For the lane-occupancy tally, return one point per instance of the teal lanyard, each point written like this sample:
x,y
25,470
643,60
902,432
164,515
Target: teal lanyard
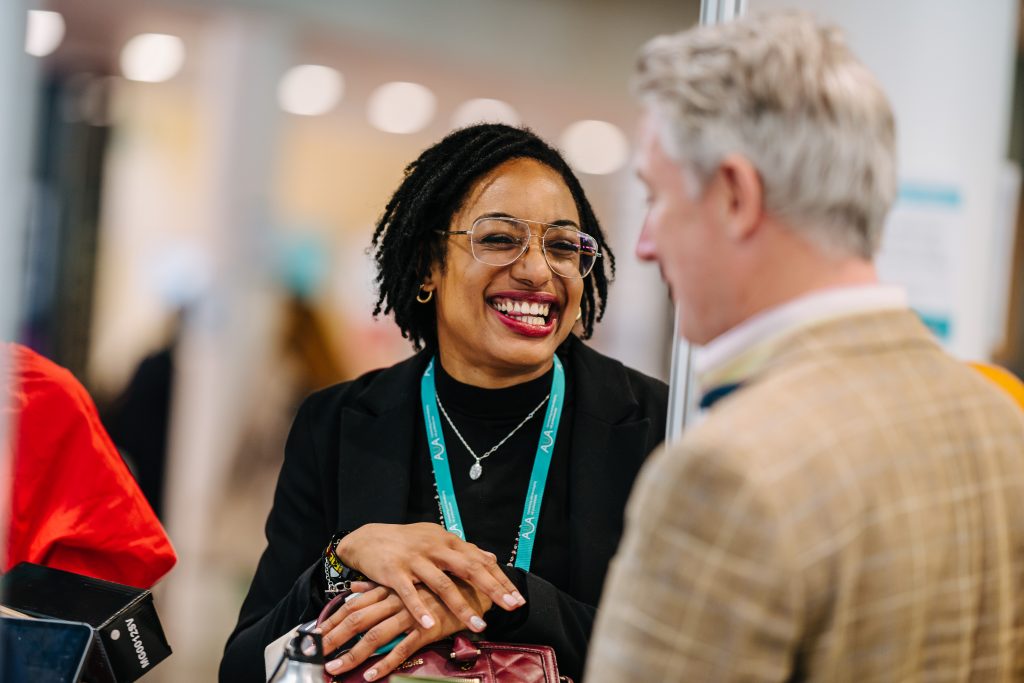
x,y
538,478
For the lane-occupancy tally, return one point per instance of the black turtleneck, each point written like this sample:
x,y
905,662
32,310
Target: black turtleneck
x,y
492,506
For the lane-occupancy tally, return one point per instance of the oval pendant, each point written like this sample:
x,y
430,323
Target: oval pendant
x,y
475,471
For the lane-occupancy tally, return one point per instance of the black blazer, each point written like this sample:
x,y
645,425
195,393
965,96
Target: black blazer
x,y
347,463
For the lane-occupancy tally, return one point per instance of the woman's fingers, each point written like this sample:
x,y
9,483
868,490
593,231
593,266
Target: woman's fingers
x,y
491,563
448,592
396,657
378,636
484,574
404,555
363,586
357,616
363,599
405,589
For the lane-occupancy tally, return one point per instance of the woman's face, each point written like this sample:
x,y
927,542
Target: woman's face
x,y
482,339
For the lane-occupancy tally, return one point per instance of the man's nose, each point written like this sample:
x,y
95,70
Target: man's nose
x,y
645,249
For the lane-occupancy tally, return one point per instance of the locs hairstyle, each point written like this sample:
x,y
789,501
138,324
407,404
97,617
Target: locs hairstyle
x,y
432,191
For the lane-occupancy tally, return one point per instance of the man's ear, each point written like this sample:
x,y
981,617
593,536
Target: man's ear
x,y
742,196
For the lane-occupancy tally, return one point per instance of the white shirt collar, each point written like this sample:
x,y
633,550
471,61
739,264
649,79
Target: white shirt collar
x,y
786,318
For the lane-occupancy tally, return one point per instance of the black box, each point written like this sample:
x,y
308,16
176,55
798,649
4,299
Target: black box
x,y
129,640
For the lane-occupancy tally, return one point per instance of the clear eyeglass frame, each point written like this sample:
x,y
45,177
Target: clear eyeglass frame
x,y
508,256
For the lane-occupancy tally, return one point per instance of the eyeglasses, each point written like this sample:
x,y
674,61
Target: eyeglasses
x,y
501,241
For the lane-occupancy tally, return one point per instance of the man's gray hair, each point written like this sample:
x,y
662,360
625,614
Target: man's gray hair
x,y
787,94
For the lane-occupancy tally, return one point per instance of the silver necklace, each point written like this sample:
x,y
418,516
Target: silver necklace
x,y
477,470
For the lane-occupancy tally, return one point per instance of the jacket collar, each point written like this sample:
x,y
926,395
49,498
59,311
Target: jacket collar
x,y
609,396
376,435
850,335
610,440
393,387
853,335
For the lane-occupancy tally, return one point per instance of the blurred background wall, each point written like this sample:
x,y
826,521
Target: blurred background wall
x,y
205,176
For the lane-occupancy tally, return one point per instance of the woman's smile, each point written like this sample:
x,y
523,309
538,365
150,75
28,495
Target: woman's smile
x,y
532,314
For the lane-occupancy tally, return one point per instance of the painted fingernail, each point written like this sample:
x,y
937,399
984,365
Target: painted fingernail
x,y
318,631
477,623
427,621
519,596
371,674
333,666
510,600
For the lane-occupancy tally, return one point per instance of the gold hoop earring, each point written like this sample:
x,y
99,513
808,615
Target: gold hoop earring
x,y
579,313
424,299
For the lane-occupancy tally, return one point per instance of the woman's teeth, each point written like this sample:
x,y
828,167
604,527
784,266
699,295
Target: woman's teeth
x,y
531,313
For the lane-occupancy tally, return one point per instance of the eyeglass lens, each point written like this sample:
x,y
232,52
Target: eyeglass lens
x,y
500,241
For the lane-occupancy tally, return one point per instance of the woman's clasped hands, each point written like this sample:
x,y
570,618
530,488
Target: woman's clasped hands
x,y
427,584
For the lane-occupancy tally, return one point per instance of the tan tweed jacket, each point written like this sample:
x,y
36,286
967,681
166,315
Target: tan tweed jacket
x,y
853,513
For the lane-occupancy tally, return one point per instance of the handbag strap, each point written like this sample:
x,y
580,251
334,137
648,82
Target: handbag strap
x,y
332,606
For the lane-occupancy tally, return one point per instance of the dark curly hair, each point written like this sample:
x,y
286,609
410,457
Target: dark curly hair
x,y
405,244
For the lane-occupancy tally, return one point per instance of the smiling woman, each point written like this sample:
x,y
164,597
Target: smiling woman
x,y
492,283
428,478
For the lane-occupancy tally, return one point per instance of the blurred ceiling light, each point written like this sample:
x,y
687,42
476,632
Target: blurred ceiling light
x,y
595,147
152,57
484,110
44,33
401,107
310,90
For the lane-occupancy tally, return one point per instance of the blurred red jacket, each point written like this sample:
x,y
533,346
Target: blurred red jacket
x,y
74,505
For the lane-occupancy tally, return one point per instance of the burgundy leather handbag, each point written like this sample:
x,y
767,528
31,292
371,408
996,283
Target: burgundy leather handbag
x,y
462,658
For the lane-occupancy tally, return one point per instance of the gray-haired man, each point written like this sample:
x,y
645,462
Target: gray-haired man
x,y
852,506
